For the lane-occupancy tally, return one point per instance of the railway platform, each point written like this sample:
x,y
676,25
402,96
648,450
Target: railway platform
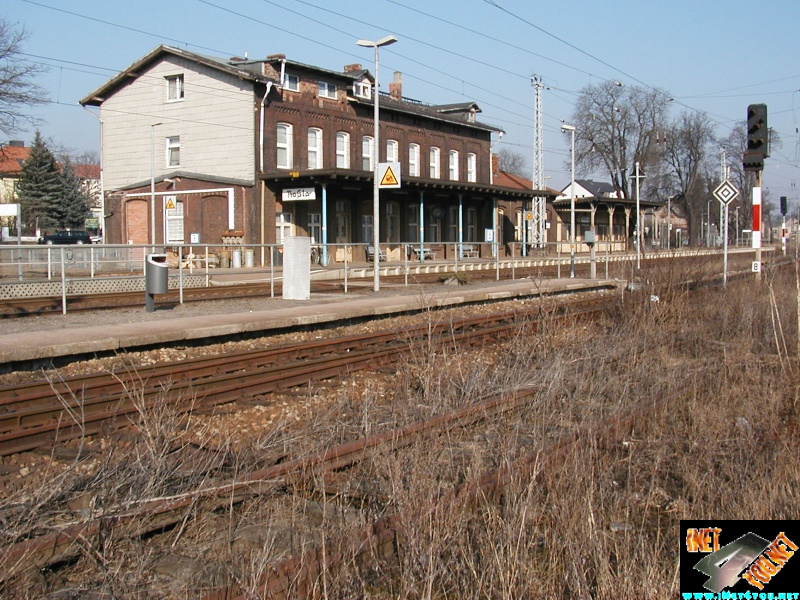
x,y
61,336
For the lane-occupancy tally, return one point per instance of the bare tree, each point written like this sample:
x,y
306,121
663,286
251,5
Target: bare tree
x,y
513,162
17,87
616,127
691,173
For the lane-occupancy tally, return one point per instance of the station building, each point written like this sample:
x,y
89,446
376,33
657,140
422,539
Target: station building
x,y
197,149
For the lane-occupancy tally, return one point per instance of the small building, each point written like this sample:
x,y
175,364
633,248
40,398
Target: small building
x,y
215,150
600,208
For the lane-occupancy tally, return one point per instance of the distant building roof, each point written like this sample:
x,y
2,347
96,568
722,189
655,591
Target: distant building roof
x,y
11,159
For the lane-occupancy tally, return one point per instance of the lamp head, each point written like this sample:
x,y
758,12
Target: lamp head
x,y
384,41
566,127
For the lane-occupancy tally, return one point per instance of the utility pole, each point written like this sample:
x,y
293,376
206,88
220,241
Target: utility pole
x,y
637,177
539,204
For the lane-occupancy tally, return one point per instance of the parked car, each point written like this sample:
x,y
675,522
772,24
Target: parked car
x,y
66,237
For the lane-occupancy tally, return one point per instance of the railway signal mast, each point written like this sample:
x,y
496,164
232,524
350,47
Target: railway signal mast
x,y
755,153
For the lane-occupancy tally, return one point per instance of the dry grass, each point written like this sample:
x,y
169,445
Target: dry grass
x,y
721,368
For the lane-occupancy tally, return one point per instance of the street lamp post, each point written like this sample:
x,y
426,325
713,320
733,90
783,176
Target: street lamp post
x,y
571,130
385,41
153,185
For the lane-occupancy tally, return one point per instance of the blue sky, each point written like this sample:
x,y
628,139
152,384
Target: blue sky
x,y
713,56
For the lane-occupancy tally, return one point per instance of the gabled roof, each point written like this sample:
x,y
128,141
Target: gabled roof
x,y
11,159
598,189
509,180
249,70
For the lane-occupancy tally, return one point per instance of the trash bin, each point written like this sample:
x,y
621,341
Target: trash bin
x,y
224,258
236,261
156,278
249,258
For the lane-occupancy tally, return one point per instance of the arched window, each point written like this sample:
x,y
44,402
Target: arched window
x,y
342,150
314,148
285,146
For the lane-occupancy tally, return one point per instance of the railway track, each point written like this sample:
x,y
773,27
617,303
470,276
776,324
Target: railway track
x,y
36,414
39,413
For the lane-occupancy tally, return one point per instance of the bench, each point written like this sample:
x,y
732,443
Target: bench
x,y
469,251
371,254
423,254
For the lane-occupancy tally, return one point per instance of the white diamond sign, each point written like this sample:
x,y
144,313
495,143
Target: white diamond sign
x,y
726,192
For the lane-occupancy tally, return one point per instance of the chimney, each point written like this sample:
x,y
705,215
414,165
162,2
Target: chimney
x,y
495,163
352,68
396,86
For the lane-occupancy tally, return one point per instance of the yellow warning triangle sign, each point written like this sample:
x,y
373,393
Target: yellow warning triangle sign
x,y
170,203
389,177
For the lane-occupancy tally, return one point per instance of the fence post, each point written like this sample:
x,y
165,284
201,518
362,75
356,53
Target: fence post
x,y
63,284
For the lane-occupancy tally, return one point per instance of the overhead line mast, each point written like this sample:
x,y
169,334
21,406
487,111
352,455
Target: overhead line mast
x,y
538,231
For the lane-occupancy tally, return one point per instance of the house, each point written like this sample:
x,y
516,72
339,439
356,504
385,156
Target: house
x,y
252,151
599,207
12,155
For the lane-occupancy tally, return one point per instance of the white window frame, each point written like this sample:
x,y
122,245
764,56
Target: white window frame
x,y
368,153
327,90
285,146
315,148
342,150
472,168
315,227
454,171
392,151
176,90
173,151
291,82
363,89
435,163
413,160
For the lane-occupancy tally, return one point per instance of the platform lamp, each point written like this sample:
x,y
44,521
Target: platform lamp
x,y
385,41
571,129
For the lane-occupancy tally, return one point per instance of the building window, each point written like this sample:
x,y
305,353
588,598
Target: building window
x,y
327,90
291,82
342,150
283,226
314,148
435,163
284,144
392,222
363,90
366,228
413,223
174,88
471,233
413,160
173,220
315,227
367,148
173,151
472,167
392,149
453,165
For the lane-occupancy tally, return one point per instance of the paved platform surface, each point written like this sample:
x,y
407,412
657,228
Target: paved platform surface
x,y
60,336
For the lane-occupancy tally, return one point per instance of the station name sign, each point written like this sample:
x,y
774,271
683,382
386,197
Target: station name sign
x,y
296,194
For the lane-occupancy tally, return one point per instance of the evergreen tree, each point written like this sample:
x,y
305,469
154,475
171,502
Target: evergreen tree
x,y
39,187
50,197
72,206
